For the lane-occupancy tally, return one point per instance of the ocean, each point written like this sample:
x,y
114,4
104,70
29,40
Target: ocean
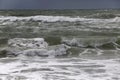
x,y
60,44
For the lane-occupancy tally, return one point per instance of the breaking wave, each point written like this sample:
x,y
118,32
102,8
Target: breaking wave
x,y
68,46
44,18
89,42
8,20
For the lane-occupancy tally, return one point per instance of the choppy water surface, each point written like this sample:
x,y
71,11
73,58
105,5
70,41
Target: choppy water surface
x,y
59,69
76,45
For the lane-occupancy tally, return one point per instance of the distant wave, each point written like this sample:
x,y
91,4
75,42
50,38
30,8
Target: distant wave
x,y
104,15
45,18
41,18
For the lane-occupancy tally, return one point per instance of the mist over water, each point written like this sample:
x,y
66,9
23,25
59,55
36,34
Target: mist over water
x,y
60,45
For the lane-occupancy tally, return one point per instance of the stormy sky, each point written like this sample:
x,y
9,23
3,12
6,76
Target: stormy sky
x,y
59,4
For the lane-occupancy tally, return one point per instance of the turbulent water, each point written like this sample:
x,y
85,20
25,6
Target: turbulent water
x,y
60,45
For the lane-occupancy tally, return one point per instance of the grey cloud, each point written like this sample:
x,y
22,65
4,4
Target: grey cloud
x,y
8,3
58,4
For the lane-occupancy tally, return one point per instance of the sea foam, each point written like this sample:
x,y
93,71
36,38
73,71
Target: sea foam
x,y
33,47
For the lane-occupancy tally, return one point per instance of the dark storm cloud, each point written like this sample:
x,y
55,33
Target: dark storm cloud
x,y
58,4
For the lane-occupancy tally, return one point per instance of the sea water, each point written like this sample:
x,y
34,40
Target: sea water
x,y
60,44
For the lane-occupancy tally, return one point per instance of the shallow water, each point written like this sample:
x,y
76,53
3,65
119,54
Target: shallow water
x,y
59,69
